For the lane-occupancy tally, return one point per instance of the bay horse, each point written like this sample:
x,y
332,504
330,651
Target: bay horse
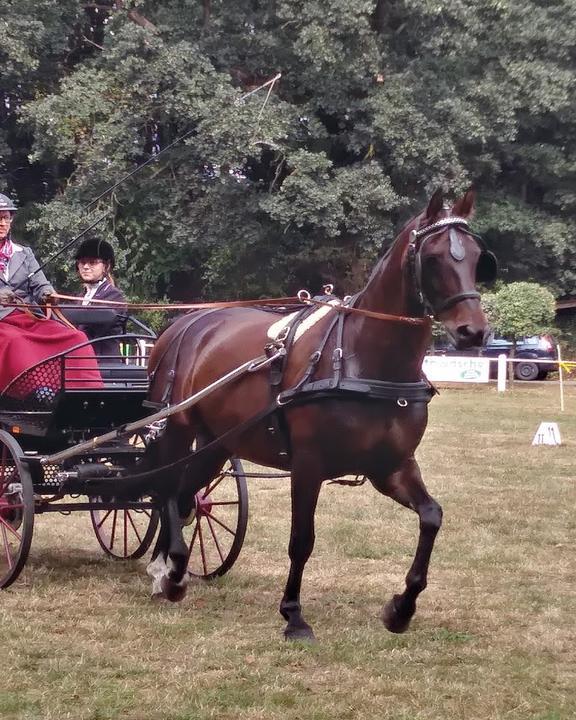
x,y
365,410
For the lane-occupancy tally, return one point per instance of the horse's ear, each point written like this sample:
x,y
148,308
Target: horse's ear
x,y
464,206
435,205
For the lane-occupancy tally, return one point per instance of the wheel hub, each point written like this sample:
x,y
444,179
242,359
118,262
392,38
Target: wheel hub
x,y
203,504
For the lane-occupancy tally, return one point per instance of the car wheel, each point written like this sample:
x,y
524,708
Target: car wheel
x,y
526,371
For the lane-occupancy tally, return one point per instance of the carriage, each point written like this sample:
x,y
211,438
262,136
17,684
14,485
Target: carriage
x,y
343,394
45,415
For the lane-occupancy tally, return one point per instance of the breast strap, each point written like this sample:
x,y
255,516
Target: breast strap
x,y
339,386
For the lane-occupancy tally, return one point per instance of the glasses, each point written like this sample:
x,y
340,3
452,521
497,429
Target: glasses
x,y
89,261
5,219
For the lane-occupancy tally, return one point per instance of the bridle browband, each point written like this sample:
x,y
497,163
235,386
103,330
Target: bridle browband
x,y
418,239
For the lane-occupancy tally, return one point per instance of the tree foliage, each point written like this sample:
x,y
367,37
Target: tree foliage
x,y
521,309
378,103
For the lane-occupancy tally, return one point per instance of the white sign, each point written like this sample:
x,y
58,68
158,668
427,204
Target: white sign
x,y
548,433
449,368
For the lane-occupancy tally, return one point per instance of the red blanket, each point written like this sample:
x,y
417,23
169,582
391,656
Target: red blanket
x,y
26,341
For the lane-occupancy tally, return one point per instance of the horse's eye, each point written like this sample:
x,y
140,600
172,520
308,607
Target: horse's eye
x,y
431,263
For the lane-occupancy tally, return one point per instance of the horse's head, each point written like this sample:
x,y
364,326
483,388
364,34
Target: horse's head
x,y
446,260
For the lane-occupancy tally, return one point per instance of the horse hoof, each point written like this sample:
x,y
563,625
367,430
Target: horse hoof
x,y
392,620
171,591
302,632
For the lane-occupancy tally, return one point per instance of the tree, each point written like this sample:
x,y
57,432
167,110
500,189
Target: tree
x,y
378,103
520,309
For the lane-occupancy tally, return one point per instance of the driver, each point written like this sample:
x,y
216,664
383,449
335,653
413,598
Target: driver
x,y
26,336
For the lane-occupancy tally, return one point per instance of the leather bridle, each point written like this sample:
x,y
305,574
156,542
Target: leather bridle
x,y
418,239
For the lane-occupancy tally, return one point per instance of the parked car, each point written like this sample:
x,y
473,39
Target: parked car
x,y
528,349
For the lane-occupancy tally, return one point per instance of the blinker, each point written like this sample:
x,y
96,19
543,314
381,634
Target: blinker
x,y
487,267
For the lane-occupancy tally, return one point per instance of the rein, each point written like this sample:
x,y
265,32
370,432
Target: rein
x,y
302,298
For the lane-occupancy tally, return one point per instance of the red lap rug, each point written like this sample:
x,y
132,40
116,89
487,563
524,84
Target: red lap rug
x,y
26,341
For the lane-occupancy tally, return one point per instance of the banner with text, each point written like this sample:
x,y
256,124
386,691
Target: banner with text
x,y
444,368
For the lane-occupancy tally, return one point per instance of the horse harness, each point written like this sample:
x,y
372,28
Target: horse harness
x,y
339,386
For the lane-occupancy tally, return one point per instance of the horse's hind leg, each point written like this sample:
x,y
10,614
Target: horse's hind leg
x,y
305,491
406,487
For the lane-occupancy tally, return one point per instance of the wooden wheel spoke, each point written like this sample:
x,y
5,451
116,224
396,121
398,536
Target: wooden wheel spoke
x,y
212,486
107,514
226,502
129,514
6,525
215,538
202,548
113,533
213,517
7,547
193,540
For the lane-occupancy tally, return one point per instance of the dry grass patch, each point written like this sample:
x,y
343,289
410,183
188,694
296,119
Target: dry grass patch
x,y
494,636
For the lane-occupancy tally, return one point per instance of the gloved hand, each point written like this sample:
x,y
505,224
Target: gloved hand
x,y
48,299
7,297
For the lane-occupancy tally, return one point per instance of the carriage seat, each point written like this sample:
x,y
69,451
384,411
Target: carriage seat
x,y
115,374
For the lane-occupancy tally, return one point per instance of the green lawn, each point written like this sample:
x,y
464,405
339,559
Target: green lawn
x,y
494,636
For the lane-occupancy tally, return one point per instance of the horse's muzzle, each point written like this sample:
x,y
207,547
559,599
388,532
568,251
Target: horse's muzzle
x,y
469,336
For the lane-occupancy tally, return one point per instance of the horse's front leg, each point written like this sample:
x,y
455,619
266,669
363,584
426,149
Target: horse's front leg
x,y
175,581
168,567
406,487
305,491
157,567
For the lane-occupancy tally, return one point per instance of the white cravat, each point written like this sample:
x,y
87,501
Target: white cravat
x,y
91,291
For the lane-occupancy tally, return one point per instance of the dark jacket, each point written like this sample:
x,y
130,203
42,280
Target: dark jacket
x,y
107,291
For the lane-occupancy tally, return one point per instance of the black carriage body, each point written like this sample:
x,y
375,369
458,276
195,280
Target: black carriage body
x,y
49,408
47,412
41,416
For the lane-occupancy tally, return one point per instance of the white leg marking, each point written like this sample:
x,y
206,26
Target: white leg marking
x,y
157,569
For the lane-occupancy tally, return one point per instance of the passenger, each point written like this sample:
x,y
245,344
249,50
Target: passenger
x,y
94,263
26,336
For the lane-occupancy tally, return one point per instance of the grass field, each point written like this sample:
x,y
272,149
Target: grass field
x,y
494,636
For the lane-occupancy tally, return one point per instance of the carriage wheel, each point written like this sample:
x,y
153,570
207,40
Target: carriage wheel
x,y
216,528
125,534
16,510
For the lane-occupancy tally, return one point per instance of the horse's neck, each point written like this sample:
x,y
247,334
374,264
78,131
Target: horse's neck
x,y
389,349
389,289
